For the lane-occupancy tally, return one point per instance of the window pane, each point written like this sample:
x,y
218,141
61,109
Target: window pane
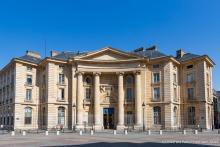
x,y
29,79
61,115
156,77
157,93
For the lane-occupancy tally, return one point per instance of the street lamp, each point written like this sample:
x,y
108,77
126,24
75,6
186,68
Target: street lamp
x,y
143,106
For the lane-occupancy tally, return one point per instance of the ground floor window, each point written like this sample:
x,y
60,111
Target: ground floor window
x,y
28,115
175,122
61,115
157,115
130,117
191,116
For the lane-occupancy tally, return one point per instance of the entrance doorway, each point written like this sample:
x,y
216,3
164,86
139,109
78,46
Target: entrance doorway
x,y
108,118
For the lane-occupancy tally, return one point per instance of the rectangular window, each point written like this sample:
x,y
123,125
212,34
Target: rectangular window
x,y
88,93
130,119
28,94
208,92
61,78
190,93
29,68
29,79
156,66
189,78
191,116
157,93
174,78
129,94
207,77
156,77
61,94
175,94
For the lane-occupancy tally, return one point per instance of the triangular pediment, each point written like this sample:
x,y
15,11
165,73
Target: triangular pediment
x,y
108,54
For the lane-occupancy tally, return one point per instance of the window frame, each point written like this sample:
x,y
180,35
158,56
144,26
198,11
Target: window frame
x,y
28,120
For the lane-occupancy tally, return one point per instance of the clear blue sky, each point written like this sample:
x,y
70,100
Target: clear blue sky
x,y
86,25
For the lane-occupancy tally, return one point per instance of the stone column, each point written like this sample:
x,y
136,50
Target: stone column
x,y
138,106
97,108
79,101
120,125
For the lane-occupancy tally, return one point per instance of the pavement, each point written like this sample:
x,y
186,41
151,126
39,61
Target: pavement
x,y
108,139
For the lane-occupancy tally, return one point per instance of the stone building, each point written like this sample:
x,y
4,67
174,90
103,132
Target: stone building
x,y
216,107
107,89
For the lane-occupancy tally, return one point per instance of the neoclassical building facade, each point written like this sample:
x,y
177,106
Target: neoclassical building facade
x,y
107,89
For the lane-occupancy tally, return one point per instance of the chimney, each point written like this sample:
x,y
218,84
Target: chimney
x,y
54,53
153,48
179,53
141,49
33,54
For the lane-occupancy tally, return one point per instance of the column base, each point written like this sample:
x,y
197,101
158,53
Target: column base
x,y
120,127
138,127
97,128
79,127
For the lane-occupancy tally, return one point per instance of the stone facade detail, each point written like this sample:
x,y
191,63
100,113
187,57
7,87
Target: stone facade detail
x,y
107,89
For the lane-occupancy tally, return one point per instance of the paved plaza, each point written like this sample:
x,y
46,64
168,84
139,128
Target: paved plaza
x,y
108,139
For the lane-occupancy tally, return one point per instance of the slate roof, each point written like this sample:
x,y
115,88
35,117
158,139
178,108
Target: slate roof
x,y
30,59
66,55
187,56
150,53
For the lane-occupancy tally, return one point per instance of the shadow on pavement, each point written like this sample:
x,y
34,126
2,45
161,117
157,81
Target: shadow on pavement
x,y
149,144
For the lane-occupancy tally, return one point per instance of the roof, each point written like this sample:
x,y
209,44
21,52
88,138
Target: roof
x,y
30,59
66,55
152,54
187,56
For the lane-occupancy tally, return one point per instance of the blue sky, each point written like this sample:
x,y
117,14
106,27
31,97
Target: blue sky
x,y
85,25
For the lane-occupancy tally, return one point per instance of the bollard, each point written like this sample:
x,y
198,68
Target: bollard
x,y
80,132
46,133
126,132
92,132
184,132
218,131
149,132
161,132
114,132
196,132
58,132
13,133
24,133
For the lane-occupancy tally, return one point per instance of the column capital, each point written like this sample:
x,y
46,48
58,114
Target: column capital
x,y
120,73
96,73
79,73
137,72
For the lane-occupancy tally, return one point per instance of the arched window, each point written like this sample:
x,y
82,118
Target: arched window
x,y
191,116
61,115
28,115
129,80
157,115
175,116
88,80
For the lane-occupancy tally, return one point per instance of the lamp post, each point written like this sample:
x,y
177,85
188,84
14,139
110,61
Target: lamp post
x,y
143,106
